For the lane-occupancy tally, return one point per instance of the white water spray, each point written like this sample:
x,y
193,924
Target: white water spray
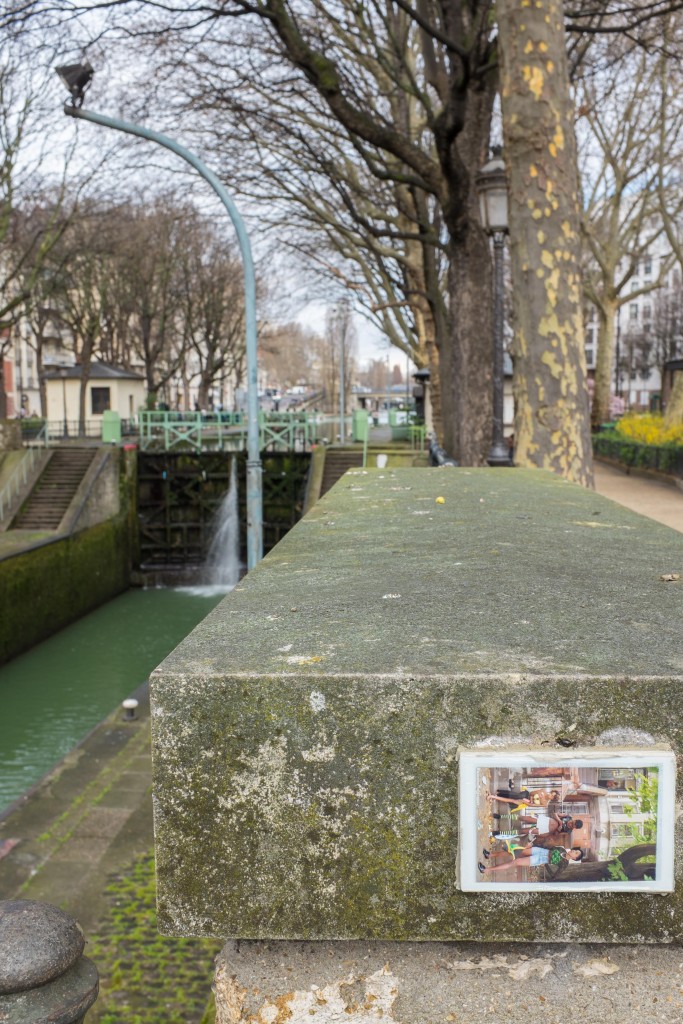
x,y
222,567
221,570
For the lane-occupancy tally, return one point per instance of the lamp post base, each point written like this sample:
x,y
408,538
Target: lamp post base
x,y
499,455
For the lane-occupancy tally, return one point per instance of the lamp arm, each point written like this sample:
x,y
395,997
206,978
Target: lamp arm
x,y
254,483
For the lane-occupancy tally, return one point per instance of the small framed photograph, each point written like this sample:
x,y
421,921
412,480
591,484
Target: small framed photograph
x,y
596,819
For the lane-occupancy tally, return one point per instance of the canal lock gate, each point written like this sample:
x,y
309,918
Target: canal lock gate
x,y
178,497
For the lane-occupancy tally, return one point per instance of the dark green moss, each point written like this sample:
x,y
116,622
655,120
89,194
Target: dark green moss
x,y
55,583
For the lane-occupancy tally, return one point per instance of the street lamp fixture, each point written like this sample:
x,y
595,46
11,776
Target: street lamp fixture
x,y
77,77
491,185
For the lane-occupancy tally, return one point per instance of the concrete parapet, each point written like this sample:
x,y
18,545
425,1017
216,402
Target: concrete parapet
x,y
306,764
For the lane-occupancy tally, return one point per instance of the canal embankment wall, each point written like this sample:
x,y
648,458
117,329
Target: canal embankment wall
x,y
50,581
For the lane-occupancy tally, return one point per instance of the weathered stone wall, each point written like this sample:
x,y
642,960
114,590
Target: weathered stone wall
x,y
446,983
99,495
53,582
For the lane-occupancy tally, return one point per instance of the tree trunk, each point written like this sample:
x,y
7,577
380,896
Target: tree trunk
x,y
3,393
552,429
86,360
466,354
465,358
603,364
673,415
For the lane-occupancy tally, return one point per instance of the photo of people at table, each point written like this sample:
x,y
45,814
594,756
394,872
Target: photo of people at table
x,y
566,823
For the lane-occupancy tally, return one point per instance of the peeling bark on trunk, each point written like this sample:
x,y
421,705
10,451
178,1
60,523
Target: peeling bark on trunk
x,y
552,429
600,412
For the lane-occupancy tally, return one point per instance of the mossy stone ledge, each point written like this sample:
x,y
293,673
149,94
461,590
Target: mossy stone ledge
x,y
305,735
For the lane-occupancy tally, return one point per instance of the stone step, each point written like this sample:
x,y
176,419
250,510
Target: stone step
x,y
54,491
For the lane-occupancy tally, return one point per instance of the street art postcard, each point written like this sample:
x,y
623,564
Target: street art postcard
x,y
595,819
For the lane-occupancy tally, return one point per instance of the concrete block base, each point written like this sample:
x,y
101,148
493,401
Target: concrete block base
x,y
464,983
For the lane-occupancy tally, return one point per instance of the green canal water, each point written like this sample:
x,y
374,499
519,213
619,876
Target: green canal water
x,y
55,693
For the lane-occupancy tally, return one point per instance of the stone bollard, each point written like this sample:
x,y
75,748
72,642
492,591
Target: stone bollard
x,y
43,974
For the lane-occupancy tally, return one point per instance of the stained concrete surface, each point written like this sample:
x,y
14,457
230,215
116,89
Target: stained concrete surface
x,y
465,983
306,733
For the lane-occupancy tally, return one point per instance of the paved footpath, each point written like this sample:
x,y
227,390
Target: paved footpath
x,y
654,498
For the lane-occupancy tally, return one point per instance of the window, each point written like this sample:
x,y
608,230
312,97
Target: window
x,y
623,830
633,311
647,265
647,312
99,400
590,356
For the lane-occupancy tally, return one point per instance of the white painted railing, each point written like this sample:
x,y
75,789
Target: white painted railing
x,y
21,471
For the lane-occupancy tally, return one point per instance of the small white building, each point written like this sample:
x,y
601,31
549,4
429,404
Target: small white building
x,y
108,387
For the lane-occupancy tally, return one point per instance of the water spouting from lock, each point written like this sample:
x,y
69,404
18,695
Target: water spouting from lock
x,y
221,570
222,566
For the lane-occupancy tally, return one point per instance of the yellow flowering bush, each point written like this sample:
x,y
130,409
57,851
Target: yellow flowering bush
x,y
648,428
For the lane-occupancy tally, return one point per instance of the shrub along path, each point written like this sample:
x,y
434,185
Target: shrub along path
x,y
85,844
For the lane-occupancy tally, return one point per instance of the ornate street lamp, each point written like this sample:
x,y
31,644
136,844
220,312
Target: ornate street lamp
x,y
77,77
491,184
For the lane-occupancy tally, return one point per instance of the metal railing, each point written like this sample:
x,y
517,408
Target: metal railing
x,y
417,433
196,431
438,456
226,431
71,429
20,474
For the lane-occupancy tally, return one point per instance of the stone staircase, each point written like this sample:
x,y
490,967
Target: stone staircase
x,y
54,490
337,461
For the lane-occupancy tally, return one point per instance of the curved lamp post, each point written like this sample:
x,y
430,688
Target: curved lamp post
x,y
491,184
77,77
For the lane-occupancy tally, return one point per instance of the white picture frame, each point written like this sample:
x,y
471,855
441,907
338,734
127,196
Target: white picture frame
x,y
605,781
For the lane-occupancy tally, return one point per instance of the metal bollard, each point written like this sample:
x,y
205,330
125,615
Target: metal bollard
x,y
130,706
43,974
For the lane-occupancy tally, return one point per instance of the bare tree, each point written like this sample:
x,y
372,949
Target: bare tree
x,y
328,50
212,307
287,353
622,221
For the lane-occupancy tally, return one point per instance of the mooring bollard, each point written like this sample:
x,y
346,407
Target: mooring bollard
x,y
43,973
130,707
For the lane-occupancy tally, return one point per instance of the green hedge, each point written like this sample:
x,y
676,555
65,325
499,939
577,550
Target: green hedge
x,y
666,458
52,584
